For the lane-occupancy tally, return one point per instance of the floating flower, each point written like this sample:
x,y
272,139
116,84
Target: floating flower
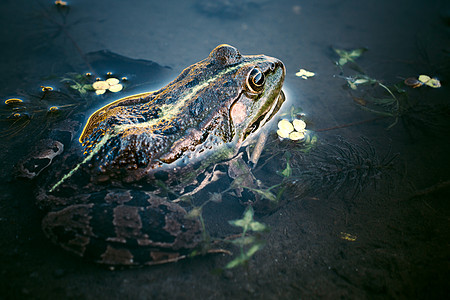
x,y
304,74
294,131
111,84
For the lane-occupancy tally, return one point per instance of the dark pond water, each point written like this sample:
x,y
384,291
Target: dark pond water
x,y
363,208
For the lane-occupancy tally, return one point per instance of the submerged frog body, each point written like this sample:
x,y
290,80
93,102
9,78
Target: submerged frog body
x,y
106,206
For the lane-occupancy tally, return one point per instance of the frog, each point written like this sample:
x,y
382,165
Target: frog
x,y
107,198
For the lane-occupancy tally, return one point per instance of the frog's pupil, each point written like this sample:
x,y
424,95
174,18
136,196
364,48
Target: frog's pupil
x,y
258,79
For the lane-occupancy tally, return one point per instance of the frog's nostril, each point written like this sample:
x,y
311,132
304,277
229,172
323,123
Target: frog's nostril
x,y
272,66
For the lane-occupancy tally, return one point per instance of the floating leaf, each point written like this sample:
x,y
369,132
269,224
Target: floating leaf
x,y
348,56
348,237
304,74
434,83
424,78
413,82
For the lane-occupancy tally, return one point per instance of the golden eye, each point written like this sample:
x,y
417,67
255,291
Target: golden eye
x,y
256,80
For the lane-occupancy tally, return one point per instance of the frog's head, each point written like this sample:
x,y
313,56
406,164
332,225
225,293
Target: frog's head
x,y
244,90
260,79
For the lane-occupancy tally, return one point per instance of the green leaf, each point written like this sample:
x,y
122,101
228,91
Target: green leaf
x,y
352,85
241,259
287,172
194,213
348,56
342,61
253,249
257,226
244,257
244,240
246,219
266,194
357,52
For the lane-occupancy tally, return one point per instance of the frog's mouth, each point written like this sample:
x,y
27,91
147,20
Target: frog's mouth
x,y
266,116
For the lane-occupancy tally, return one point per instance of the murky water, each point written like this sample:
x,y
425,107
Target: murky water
x,y
365,210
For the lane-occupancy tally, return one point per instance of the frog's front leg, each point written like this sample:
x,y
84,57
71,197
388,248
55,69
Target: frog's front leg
x,y
127,228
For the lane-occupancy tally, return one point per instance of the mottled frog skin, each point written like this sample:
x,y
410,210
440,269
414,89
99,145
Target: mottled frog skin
x,y
103,200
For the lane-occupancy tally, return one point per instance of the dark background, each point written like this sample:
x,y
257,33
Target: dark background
x,y
402,226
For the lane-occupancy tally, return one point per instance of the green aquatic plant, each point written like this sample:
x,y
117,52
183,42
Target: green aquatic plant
x,y
398,101
248,245
78,82
349,56
327,168
342,167
249,241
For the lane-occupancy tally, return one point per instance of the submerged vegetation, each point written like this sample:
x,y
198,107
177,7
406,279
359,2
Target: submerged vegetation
x,y
401,101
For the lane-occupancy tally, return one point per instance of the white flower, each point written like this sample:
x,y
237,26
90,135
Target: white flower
x,y
111,84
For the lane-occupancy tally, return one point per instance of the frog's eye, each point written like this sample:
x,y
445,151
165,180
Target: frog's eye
x,y
256,80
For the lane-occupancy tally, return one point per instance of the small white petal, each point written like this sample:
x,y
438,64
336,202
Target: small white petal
x,y
299,125
116,88
282,134
100,85
112,81
285,125
295,135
